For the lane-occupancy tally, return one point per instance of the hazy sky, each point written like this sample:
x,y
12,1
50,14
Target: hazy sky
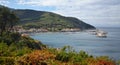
x,y
95,12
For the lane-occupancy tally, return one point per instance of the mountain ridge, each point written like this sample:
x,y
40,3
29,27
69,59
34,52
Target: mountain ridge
x,y
42,19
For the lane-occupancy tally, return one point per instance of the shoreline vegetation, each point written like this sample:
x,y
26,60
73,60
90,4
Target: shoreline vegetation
x,y
17,49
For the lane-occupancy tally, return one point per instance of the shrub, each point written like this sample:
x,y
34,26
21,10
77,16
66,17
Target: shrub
x,y
37,57
63,54
3,49
102,60
29,42
10,37
23,51
7,61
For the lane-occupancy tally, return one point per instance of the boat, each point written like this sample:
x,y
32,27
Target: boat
x,y
101,34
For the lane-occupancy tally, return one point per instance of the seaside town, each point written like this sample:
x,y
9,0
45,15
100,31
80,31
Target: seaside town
x,y
26,32
20,29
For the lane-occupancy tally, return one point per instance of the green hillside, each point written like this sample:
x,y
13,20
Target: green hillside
x,y
48,20
42,19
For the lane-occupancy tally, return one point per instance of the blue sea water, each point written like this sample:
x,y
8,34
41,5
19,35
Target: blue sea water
x,y
93,45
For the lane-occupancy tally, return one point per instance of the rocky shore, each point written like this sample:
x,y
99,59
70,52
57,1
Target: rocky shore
x,y
20,29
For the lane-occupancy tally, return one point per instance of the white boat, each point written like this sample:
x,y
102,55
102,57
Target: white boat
x,y
102,34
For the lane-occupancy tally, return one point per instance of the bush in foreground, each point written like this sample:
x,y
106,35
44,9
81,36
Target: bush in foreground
x,y
62,57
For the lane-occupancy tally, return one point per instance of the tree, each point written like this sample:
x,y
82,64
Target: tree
x,y
13,20
7,20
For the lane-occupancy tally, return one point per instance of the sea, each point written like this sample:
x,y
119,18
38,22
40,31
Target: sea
x,y
93,45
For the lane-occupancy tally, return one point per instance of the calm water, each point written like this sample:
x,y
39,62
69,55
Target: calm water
x,y
109,46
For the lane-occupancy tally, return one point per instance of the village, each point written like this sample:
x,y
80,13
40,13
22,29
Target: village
x,y
20,29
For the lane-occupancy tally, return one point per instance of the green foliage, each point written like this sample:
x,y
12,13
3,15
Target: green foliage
x,y
7,20
67,54
29,42
63,57
9,37
13,44
3,49
12,50
23,51
7,61
20,42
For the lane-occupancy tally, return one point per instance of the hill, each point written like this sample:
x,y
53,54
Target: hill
x,y
48,20
42,19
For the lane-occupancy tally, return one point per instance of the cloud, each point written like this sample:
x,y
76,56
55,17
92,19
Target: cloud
x,y
40,2
4,2
56,2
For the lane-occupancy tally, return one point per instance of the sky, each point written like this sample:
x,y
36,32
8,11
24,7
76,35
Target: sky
x,y
99,13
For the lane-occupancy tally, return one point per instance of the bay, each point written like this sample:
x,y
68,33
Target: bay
x,y
93,45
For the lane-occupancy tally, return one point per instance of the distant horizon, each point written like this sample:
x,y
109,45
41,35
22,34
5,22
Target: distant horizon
x,y
99,13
